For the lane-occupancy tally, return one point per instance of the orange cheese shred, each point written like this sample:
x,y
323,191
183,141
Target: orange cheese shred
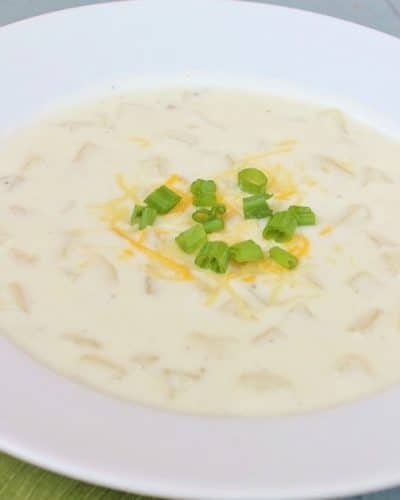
x,y
180,269
270,266
284,195
183,204
298,246
230,206
250,278
172,180
129,191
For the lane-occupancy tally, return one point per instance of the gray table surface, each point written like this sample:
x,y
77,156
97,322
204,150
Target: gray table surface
x,y
383,15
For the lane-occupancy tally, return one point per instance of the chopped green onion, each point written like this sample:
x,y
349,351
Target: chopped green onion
x,y
213,225
203,215
200,186
136,213
204,200
147,218
210,218
252,180
144,216
191,239
256,206
246,251
163,199
214,255
304,215
280,227
219,209
204,193
283,258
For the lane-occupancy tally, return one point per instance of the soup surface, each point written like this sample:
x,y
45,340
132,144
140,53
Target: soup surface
x,y
127,312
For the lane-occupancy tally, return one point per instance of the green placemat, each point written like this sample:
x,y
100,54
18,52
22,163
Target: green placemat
x,y
20,481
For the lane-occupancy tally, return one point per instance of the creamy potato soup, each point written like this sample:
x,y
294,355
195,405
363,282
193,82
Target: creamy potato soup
x,y
128,312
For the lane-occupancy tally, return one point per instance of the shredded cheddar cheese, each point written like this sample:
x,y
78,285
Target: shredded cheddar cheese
x,y
249,278
241,305
129,191
232,209
160,231
270,266
142,236
284,195
183,204
299,246
280,180
117,209
114,210
178,268
172,180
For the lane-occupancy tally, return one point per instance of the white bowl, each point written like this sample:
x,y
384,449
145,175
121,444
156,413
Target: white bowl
x,y
55,423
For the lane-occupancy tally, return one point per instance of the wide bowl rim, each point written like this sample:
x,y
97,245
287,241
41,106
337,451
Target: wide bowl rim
x,y
160,481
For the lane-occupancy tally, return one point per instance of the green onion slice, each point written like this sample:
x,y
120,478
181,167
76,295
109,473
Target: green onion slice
x,y
136,213
191,239
213,225
203,215
144,216
246,251
204,193
214,255
283,258
252,180
280,227
162,199
147,218
219,209
304,215
256,206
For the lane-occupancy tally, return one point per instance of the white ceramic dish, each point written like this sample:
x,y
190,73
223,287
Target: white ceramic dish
x,y
54,423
